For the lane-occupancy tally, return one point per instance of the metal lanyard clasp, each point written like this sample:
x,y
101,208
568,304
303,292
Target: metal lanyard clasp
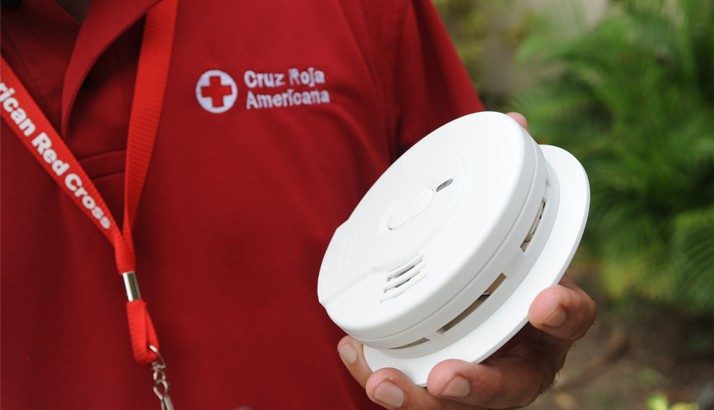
x,y
161,383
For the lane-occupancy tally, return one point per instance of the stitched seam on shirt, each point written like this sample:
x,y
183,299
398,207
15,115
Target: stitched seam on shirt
x,y
92,156
111,174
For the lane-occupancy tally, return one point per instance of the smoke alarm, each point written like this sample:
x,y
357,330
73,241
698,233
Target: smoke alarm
x,y
443,256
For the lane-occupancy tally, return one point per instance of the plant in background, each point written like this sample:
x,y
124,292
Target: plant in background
x,y
659,401
485,34
633,99
466,21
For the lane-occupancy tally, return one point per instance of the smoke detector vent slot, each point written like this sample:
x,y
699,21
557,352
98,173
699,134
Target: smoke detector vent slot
x,y
534,227
474,306
397,279
412,344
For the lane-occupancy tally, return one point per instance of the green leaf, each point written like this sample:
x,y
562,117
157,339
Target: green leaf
x,y
633,99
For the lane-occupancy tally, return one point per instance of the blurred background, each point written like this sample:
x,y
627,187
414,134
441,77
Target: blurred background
x,y
627,86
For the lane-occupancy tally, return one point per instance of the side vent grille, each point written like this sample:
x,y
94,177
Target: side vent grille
x,y
412,344
402,277
534,227
472,308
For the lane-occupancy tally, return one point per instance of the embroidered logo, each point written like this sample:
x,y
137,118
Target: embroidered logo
x,y
288,88
216,91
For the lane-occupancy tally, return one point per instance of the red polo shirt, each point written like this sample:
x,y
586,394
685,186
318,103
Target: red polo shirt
x,y
247,183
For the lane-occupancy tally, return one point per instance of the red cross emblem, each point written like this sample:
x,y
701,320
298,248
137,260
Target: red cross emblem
x,y
216,91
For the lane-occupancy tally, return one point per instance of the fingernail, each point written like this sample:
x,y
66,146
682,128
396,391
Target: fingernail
x,y
556,318
389,394
457,388
347,353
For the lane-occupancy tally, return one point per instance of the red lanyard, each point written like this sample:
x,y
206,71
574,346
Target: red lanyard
x,y
24,117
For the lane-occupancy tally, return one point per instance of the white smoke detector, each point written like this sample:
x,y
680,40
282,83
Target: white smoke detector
x,y
443,256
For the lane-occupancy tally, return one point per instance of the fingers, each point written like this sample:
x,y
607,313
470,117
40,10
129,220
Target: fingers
x,y
392,389
564,311
519,118
352,356
527,368
389,388
504,382
516,376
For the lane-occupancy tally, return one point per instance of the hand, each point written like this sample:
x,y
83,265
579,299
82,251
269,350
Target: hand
x,y
513,376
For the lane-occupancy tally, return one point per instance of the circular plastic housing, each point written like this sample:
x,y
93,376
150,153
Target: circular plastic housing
x,y
443,256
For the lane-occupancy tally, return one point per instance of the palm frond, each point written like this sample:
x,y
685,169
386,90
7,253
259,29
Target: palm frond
x,y
632,98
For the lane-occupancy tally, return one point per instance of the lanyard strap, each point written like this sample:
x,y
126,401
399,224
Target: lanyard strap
x,y
26,119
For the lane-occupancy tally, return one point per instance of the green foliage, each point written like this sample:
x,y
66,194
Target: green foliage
x,y
633,99
659,401
466,22
485,34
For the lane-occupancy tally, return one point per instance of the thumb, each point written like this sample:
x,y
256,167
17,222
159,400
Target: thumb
x,y
351,353
564,311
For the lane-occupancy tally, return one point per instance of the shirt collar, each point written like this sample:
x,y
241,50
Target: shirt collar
x,y
105,21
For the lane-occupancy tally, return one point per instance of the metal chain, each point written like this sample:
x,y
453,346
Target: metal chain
x,y
161,383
